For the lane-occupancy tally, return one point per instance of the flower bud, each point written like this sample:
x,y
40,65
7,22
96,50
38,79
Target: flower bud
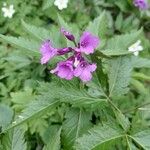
x,y
67,34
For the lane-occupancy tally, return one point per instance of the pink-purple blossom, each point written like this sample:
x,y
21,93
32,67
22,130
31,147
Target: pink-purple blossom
x,y
88,43
64,70
84,71
76,65
141,4
47,51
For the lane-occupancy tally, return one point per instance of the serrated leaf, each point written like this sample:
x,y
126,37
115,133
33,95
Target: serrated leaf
x,y
119,75
38,125
142,139
14,140
122,119
22,97
64,24
77,122
38,32
6,115
119,21
130,144
47,4
36,108
98,136
99,25
54,138
138,62
120,43
79,97
68,92
30,45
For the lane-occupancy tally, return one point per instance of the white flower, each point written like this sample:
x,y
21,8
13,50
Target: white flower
x,y
135,48
61,4
8,11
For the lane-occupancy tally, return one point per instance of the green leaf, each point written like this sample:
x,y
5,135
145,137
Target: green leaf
x,y
122,119
119,21
130,145
21,98
98,136
6,115
120,43
115,53
141,76
142,139
138,62
77,122
64,24
79,97
14,140
139,87
94,88
38,125
30,45
119,75
35,109
47,4
53,138
38,32
99,25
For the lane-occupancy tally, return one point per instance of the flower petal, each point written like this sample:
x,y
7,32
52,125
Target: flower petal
x,y
47,52
88,43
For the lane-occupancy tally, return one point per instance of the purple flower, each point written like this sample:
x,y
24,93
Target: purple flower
x,y
84,70
76,65
67,34
88,43
142,4
64,70
47,51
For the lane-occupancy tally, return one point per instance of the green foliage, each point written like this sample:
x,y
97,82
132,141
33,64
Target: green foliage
x,y
119,44
77,122
35,109
142,138
98,136
39,33
53,139
119,75
41,111
14,140
99,25
6,115
30,45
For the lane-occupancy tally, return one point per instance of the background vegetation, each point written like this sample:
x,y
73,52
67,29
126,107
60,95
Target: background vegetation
x,y
39,111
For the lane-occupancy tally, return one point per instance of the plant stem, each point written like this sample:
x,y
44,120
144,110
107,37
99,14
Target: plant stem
x,y
75,43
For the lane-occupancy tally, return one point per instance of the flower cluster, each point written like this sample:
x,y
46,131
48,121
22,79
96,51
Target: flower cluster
x,y
8,11
142,4
76,65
